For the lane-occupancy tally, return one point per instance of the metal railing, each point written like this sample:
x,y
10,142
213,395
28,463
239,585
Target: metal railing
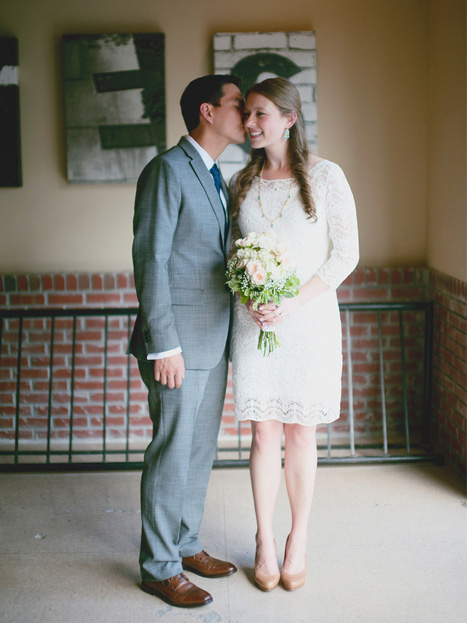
x,y
393,429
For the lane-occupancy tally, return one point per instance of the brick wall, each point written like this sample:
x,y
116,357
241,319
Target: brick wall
x,y
117,290
450,368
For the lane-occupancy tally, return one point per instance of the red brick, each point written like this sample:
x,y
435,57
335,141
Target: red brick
x,y
34,283
369,295
88,409
65,423
7,434
371,277
396,276
344,295
359,277
59,282
66,300
97,282
130,299
55,434
407,294
134,409
110,397
384,275
87,386
122,281
26,300
55,410
85,362
23,285
34,422
66,398
84,281
65,373
47,282
104,299
109,421
109,281
90,336
71,282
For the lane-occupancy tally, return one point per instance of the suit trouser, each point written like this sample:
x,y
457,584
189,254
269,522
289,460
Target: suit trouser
x,y
177,466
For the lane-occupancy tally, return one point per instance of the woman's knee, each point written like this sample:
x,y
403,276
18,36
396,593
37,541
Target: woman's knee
x,y
300,436
266,434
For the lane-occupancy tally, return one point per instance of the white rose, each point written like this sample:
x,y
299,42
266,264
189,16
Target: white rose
x,y
250,239
266,241
253,266
259,277
280,249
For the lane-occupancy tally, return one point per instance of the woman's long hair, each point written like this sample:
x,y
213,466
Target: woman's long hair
x,y
286,97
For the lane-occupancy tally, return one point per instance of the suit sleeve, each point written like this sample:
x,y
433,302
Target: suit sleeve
x,y
157,206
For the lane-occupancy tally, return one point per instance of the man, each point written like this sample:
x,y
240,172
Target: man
x,y
181,240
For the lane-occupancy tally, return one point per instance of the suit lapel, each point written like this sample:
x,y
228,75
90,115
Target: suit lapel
x,y
207,182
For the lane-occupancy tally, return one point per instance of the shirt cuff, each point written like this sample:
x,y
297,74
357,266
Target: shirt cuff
x,y
166,353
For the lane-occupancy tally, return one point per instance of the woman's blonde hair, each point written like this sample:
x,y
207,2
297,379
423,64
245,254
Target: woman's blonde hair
x,y
286,97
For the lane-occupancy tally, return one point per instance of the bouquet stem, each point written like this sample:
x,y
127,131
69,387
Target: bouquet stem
x,y
267,342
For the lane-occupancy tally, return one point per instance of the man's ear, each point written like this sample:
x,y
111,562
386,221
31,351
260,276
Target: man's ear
x,y
205,111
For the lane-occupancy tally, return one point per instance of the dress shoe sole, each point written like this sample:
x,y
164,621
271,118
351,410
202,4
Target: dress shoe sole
x,y
151,591
209,575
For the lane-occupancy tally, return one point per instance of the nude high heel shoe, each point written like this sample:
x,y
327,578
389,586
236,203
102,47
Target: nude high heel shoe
x,y
292,581
262,580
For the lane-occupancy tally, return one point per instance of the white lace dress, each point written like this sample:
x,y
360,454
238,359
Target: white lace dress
x,y
300,382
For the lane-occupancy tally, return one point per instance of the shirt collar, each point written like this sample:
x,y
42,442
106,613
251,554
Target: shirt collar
x,y
208,161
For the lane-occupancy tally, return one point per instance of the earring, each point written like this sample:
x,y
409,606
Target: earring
x,y
286,134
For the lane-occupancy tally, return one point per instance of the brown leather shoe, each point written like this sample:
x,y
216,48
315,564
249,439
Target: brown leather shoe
x,y
178,591
207,566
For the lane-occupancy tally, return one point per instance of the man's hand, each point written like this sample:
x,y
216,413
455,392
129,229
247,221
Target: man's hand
x,y
170,371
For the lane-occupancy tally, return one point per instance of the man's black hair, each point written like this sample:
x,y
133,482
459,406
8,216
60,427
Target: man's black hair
x,y
207,89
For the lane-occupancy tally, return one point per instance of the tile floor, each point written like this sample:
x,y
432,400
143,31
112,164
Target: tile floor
x,y
387,544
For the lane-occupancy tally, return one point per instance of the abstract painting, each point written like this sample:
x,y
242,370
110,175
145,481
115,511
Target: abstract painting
x,y
114,105
10,145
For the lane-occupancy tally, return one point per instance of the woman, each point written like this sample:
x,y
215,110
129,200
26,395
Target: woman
x,y
308,203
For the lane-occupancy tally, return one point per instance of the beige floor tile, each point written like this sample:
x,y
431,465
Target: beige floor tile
x,y
387,544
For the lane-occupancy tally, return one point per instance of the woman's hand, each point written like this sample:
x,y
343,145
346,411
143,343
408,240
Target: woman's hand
x,y
259,315
272,315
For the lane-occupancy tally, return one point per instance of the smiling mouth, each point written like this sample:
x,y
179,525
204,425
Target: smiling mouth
x,y
255,134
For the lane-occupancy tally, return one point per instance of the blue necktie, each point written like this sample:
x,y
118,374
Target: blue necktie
x,y
214,171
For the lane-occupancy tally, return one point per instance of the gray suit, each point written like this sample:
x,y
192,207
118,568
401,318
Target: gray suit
x,y
179,256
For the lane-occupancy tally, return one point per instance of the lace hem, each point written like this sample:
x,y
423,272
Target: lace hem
x,y
291,413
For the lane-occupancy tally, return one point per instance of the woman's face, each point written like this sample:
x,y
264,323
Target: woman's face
x,y
264,122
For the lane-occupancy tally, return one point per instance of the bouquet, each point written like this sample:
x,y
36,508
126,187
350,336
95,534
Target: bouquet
x,y
260,270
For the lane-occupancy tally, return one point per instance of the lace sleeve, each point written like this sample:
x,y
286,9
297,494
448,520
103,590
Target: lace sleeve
x,y
342,223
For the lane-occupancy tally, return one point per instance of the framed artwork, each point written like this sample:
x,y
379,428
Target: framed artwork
x,y
114,105
10,142
259,55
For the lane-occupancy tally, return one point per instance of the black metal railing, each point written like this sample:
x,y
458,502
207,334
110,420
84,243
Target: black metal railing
x,y
41,421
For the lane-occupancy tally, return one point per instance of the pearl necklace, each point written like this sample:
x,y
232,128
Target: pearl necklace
x,y
272,221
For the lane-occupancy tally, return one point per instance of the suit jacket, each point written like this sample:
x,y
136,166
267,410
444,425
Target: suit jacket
x,y
179,258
